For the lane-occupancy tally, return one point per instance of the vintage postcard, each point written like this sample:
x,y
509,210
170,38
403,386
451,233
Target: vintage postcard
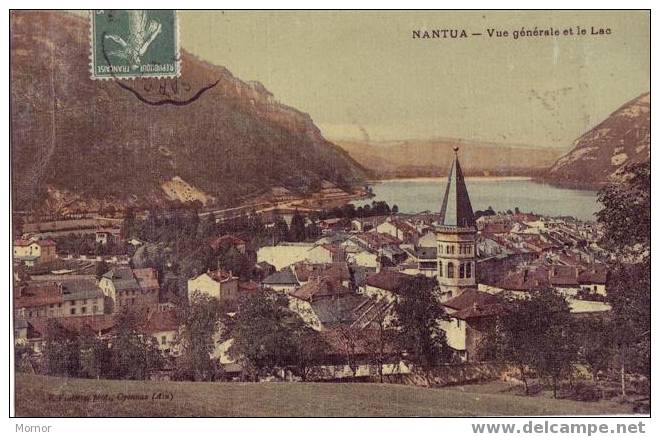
x,y
330,213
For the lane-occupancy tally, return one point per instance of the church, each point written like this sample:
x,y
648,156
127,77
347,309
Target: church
x,y
456,234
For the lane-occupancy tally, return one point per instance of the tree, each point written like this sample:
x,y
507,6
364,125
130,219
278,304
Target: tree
x,y
379,344
297,228
61,351
626,214
626,221
349,340
537,332
280,230
207,227
134,355
418,313
263,333
128,228
308,347
101,268
200,320
95,355
629,293
595,337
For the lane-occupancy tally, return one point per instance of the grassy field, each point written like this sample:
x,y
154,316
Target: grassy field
x,y
50,396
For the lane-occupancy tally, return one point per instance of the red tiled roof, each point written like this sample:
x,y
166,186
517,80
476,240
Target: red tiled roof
x,y
22,243
159,321
496,228
471,297
472,304
320,288
526,279
147,278
593,274
306,271
562,275
476,311
376,240
388,280
404,226
98,323
33,295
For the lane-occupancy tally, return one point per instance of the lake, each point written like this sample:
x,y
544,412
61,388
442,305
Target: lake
x,y
502,193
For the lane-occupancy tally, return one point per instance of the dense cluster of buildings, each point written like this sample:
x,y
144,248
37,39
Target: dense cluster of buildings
x,y
349,278
476,262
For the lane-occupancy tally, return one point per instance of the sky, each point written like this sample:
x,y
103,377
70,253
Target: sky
x,y
361,75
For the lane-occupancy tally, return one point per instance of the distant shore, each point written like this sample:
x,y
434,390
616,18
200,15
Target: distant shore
x,y
439,178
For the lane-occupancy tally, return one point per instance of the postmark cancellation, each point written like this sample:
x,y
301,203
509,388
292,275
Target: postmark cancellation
x,y
130,44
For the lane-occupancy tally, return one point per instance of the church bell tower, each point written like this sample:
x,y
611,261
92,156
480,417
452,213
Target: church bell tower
x,y
456,236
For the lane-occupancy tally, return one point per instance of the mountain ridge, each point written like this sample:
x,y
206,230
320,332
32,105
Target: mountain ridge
x,y
432,157
601,154
79,144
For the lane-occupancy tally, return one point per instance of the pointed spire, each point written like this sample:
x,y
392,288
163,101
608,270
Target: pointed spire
x,y
456,209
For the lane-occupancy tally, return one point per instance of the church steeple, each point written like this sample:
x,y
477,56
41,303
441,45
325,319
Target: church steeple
x,y
456,237
456,209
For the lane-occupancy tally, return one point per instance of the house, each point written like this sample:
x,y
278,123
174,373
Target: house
x,y
56,299
228,241
323,303
331,225
364,224
40,299
326,253
34,251
105,236
361,345
424,260
399,229
472,318
164,327
284,254
385,284
221,284
263,269
131,287
83,297
363,258
593,278
101,325
374,242
284,280
305,271
427,239
358,254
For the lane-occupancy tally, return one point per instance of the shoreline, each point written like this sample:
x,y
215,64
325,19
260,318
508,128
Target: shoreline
x,y
442,178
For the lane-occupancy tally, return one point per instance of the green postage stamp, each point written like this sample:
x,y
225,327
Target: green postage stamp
x,y
130,44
